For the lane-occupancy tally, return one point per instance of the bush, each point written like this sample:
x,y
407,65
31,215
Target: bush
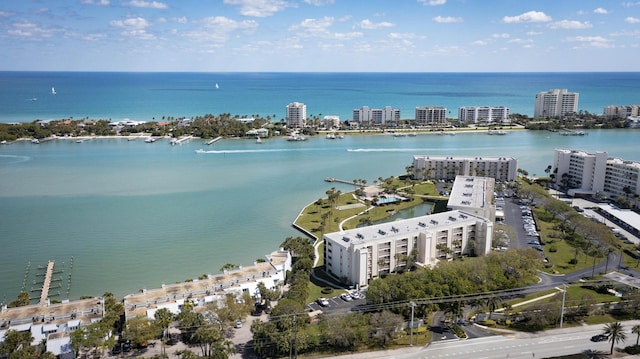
x,y
327,290
632,349
553,249
489,323
573,261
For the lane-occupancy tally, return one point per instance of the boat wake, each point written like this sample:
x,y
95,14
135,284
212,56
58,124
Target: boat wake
x,y
246,151
13,159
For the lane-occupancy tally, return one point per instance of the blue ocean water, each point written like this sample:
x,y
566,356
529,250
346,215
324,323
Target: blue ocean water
x,y
148,96
134,215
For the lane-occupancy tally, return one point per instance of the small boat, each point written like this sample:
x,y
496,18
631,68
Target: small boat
x,y
53,91
331,136
217,86
34,99
150,140
296,137
258,140
35,141
201,151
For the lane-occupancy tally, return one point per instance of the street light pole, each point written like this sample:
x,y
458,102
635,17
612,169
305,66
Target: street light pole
x,y
564,293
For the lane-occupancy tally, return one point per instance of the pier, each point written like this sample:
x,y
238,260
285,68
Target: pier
x,y
177,141
333,179
47,283
211,142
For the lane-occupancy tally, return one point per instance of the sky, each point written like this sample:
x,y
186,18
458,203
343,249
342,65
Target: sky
x,y
320,35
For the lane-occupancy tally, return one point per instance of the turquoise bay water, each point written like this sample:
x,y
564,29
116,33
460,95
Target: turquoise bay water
x,y
135,215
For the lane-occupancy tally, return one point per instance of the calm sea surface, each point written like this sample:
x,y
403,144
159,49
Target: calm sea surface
x,y
147,96
135,215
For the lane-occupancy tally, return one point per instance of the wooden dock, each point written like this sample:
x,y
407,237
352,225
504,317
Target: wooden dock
x,y
333,179
47,283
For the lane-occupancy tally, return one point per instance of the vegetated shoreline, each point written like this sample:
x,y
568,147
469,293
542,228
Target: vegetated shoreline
x,y
368,132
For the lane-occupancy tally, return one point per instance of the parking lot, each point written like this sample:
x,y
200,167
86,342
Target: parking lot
x,y
339,304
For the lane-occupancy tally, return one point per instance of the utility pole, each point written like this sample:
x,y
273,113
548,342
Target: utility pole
x,y
564,294
413,305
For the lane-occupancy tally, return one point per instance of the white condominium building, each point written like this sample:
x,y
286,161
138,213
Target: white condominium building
x,y
589,173
555,103
623,112
376,116
359,255
581,172
432,116
473,195
483,114
448,167
331,121
296,115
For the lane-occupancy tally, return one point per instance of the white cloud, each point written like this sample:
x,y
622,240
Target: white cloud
x,y
531,16
447,19
480,43
403,36
259,8
147,4
30,30
570,24
6,13
600,11
218,29
591,41
534,33
501,36
632,20
133,27
96,2
180,20
630,3
433,2
369,25
520,41
321,28
319,2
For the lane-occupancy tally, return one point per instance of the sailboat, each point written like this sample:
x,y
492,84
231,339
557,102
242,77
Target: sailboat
x,y
53,91
217,86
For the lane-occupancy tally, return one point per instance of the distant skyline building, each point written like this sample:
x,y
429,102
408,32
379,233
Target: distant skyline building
x,y
448,167
296,115
622,112
483,114
431,116
376,116
331,121
555,103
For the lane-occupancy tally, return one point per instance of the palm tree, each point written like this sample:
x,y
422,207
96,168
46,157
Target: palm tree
x,y
615,332
636,330
493,302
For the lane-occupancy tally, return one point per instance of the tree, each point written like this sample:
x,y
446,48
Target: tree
x,y
636,330
23,299
141,330
163,319
492,303
14,341
384,326
615,332
212,342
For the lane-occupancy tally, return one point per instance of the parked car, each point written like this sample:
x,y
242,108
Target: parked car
x,y
355,295
238,324
346,297
323,301
599,338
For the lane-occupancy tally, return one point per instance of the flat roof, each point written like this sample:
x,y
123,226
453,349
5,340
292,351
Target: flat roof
x,y
470,191
402,226
625,215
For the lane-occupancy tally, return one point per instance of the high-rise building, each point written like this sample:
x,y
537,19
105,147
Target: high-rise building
x,y
483,114
585,173
448,167
359,255
555,103
376,116
622,112
296,115
431,116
